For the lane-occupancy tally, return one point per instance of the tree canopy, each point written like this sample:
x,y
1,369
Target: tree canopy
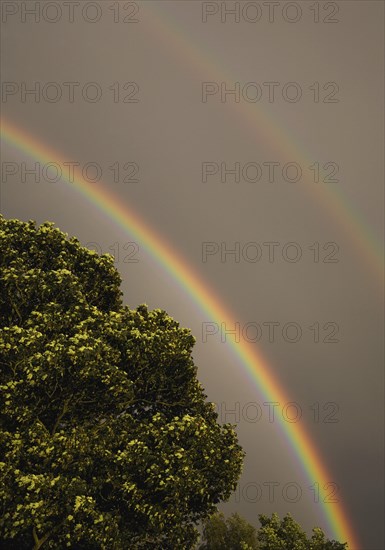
x,y
286,534
106,438
235,533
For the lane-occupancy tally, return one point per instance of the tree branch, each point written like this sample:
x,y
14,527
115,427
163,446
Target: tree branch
x,y
39,542
63,412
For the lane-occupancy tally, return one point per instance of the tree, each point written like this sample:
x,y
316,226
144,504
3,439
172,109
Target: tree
x,y
106,438
233,533
286,534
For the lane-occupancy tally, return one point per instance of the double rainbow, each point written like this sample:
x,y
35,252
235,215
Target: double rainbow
x,y
200,294
331,197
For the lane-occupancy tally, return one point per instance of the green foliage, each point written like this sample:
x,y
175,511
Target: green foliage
x,y
106,440
234,533
286,534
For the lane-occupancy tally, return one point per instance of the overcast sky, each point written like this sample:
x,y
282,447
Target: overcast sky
x,y
249,127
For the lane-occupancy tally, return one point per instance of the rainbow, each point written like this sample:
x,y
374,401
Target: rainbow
x,y
182,46
174,265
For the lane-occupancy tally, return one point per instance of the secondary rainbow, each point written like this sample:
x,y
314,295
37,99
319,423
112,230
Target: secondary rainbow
x,y
333,198
174,265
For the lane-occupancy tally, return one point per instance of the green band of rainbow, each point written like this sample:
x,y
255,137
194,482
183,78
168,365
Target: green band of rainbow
x,y
175,266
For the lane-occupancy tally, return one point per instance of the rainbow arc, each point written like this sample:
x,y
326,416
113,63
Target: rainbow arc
x,y
174,265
